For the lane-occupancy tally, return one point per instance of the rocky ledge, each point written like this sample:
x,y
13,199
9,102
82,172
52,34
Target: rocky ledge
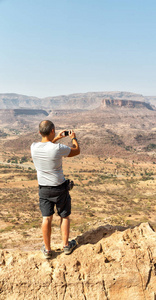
x,y
126,103
108,264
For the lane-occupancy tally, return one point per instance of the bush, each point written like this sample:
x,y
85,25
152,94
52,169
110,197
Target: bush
x,y
150,147
23,159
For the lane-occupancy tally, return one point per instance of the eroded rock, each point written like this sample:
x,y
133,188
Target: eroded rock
x,y
117,265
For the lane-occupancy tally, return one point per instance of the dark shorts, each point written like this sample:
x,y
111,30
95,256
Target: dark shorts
x,y
49,196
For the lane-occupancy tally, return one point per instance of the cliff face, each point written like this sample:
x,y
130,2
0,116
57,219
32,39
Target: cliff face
x,y
33,112
106,265
12,115
125,103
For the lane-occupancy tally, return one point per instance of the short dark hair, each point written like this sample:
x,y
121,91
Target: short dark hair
x,y
45,127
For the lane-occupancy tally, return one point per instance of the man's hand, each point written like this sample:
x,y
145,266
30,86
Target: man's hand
x,y
75,149
60,136
72,134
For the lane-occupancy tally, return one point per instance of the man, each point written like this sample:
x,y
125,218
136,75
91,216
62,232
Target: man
x,y
53,190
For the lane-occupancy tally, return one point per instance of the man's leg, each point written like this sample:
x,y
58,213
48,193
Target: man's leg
x,y
65,227
46,230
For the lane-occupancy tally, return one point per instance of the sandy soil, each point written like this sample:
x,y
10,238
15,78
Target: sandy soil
x,y
107,191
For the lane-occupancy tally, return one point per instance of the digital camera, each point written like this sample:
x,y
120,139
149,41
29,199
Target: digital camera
x,y
69,184
66,133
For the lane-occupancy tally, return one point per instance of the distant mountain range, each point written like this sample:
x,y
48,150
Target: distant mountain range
x,y
85,101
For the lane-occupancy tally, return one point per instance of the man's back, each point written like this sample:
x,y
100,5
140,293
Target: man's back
x,y
47,158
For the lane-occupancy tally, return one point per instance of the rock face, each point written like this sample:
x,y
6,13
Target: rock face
x,y
33,112
12,115
125,103
114,265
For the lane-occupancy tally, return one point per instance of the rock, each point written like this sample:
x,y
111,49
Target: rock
x,y
108,264
125,103
2,258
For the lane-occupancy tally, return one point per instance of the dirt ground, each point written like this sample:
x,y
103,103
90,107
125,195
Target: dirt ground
x,y
107,191
114,176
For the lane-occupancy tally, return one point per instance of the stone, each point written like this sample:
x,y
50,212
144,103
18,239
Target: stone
x,y
116,265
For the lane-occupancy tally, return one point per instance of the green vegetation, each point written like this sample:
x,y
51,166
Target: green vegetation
x,y
23,159
13,159
3,134
128,148
17,160
150,147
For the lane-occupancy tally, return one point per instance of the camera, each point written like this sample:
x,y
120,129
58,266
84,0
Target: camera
x,y
66,133
69,184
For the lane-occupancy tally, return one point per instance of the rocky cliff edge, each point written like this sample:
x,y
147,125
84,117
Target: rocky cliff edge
x,y
109,263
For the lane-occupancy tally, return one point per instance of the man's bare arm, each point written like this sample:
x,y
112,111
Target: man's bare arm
x,y
75,150
58,137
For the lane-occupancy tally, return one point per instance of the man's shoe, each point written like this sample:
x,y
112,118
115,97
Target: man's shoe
x,y
68,249
47,254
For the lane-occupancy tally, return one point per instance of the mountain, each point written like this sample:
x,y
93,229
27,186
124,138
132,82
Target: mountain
x,y
152,100
85,101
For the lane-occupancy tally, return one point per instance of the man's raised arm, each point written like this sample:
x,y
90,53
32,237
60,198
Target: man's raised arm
x,y
75,149
58,137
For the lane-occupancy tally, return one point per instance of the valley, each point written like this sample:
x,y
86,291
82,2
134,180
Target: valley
x,y
114,176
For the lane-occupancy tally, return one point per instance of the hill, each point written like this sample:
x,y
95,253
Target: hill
x,y
111,129
85,101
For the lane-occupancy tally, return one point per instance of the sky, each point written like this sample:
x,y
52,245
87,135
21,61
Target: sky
x,y
60,47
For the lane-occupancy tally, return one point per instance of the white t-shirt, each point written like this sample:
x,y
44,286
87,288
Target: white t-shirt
x,y
47,158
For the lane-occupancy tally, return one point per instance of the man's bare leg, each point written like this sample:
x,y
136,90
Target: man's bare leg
x,y
46,230
65,227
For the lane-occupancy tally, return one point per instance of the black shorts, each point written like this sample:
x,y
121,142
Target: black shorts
x,y
49,196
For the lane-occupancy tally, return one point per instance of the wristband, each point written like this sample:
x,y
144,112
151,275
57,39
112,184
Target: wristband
x,y
74,139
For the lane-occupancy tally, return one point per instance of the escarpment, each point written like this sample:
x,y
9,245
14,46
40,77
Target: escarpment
x,y
125,103
108,264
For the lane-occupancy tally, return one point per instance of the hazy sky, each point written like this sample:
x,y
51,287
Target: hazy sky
x,y
55,47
